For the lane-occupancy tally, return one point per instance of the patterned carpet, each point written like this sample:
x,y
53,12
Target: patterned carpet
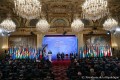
x,y
59,69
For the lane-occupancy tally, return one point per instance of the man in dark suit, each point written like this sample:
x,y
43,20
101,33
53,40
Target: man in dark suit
x,y
71,55
58,56
62,56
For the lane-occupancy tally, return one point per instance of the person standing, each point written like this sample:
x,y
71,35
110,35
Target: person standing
x,y
58,56
62,56
71,56
75,55
50,56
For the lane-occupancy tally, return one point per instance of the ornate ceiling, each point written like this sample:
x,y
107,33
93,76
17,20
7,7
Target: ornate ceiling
x,y
59,13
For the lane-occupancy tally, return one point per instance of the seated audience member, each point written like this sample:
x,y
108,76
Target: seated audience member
x,y
96,67
1,75
102,74
62,56
58,56
75,60
92,73
79,75
25,70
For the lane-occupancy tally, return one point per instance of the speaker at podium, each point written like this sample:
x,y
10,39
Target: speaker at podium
x,y
50,55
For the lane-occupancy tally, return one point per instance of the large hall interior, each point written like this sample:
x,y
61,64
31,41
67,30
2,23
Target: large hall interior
x,y
59,39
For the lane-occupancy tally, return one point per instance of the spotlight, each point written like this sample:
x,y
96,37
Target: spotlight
x,y
118,29
0,30
91,32
113,31
8,34
108,32
32,33
5,34
65,32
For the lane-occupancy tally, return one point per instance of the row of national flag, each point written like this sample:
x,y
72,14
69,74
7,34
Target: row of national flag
x,y
95,51
25,53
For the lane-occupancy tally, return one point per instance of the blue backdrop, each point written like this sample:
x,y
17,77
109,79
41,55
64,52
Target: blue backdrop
x,y
61,43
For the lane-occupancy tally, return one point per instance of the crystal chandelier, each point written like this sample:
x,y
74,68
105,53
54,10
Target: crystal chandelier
x,y
43,25
94,9
110,24
29,9
117,32
77,25
8,25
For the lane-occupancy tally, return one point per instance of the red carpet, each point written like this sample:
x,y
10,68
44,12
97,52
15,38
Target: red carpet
x,y
61,63
59,69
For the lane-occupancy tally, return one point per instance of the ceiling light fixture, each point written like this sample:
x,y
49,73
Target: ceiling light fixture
x,y
110,24
29,9
94,9
77,25
7,25
42,25
118,29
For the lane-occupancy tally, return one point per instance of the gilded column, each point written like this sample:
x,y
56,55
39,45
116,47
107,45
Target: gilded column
x,y
39,40
4,43
80,41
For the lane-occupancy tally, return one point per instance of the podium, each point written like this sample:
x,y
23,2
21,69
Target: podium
x,y
50,56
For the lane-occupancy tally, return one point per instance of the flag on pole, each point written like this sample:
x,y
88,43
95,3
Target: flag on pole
x,y
85,51
81,53
89,52
109,51
97,51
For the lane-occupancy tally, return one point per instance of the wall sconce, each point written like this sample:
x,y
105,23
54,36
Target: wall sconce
x,y
114,45
5,47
